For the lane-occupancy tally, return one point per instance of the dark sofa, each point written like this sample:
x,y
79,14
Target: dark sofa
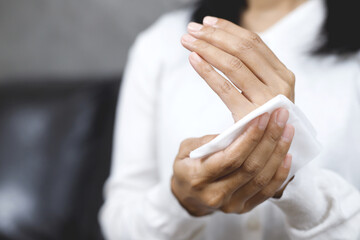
x,y
55,155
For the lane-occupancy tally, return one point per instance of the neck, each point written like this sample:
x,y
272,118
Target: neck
x,y
262,14
261,5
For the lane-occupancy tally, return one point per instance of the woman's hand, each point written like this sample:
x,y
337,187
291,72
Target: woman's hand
x,y
244,58
242,176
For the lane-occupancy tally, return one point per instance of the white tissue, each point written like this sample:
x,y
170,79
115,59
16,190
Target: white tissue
x,y
304,147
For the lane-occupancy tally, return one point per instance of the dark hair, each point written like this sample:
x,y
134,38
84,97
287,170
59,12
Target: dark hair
x,y
339,32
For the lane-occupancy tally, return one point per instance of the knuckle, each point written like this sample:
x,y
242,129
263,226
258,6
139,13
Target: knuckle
x,y
229,162
207,70
184,145
210,171
268,94
186,142
291,77
209,31
249,41
280,150
223,23
197,213
274,134
214,200
225,87
273,138
251,167
246,208
254,138
287,89
201,45
177,171
207,138
267,193
230,155
243,209
280,177
261,181
196,183
253,38
234,64
236,116
229,208
244,45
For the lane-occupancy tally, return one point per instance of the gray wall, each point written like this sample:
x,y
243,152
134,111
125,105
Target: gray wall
x,y
72,37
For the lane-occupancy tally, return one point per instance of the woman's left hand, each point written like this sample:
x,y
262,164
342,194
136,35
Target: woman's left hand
x,y
244,58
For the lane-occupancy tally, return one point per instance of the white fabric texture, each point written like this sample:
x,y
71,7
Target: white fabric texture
x,y
163,101
304,146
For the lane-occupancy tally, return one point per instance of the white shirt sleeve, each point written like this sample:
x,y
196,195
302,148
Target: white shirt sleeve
x,y
137,204
319,204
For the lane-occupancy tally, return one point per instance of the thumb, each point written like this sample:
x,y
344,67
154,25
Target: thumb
x,y
190,144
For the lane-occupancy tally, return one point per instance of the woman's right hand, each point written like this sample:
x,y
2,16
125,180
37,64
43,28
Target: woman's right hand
x,y
240,177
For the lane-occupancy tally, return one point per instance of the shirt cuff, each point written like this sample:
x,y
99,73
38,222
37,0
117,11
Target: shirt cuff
x,y
302,202
167,213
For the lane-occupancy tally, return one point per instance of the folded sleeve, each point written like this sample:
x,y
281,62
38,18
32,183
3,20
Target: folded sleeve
x,y
138,205
319,204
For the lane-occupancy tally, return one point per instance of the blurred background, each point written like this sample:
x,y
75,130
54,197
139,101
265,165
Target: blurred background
x,y
72,36
60,72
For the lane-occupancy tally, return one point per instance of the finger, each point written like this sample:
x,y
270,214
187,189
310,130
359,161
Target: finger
x,y
230,159
250,40
270,190
190,144
236,102
232,67
263,151
212,167
257,159
245,46
184,167
262,179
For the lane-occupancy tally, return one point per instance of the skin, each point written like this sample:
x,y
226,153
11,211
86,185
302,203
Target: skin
x,y
254,167
260,14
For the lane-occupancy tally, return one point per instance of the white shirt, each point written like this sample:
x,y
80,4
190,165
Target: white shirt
x,y
163,101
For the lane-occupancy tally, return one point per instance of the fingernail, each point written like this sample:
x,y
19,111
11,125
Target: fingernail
x,y
288,133
194,27
210,20
281,117
263,122
188,38
286,163
195,57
